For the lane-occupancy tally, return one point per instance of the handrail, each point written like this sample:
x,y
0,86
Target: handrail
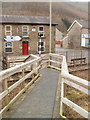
x,y
71,80
10,71
75,82
4,75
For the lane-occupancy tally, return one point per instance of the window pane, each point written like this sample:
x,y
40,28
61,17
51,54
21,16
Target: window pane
x,y
42,48
8,33
8,28
39,43
25,34
42,43
8,49
89,41
25,30
41,29
39,49
8,44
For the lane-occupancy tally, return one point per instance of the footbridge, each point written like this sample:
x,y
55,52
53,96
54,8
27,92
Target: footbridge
x,y
37,89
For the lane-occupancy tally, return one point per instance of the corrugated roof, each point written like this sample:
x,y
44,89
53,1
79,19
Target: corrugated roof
x,y
25,19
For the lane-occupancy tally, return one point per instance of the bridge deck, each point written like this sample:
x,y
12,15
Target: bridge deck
x,y
39,102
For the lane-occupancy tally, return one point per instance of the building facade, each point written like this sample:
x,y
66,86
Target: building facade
x,y
22,35
77,36
59,37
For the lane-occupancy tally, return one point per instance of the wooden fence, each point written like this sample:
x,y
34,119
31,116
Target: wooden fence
x,y
55,61
5,75
74,82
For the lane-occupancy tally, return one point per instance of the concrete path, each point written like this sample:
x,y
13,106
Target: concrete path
x,y
39,102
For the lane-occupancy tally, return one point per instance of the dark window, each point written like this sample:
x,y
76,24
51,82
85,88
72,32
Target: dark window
x,y
8,47
41,46
41,29
8,50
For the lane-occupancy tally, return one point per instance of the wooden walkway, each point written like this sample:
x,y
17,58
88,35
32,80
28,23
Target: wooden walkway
x,y
40,100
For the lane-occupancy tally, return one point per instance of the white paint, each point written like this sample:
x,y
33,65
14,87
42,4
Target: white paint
x,y
75,107
73,24
79,87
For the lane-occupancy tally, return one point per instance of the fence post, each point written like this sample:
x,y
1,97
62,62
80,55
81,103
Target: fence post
x,y
39,68
49,63
32,76
5,87
66,55
23,74
62,94
81,57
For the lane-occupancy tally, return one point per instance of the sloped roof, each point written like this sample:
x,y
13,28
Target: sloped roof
x,y
81,23
84,23
25,19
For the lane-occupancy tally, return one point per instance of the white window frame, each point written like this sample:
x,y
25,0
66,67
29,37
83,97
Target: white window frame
x,y
8,47
6,31
41,31
43,46
85,40
27,31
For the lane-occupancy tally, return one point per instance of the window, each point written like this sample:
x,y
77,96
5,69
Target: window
x,y
8,47
41,47
25,31
85,40
89,41
41,31
8,30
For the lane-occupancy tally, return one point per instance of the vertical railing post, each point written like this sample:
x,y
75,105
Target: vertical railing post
x,y
49,63
23,74
39,64
31,70
62,94
5,87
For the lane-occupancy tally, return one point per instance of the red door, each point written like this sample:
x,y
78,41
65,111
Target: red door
x,y
25,48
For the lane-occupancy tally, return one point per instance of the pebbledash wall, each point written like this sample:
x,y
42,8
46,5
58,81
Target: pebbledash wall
x,y
32,38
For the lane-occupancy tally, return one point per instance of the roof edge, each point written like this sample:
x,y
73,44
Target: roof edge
x,y
75,21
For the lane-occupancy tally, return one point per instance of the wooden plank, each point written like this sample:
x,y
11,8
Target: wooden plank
x,y
34,56
75,78
55,55
18,95
54,67
78,59
55,62
84,90
75,107
17,83
6,73
3,94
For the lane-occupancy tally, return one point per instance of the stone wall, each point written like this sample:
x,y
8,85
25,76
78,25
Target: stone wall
x,y
32,39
